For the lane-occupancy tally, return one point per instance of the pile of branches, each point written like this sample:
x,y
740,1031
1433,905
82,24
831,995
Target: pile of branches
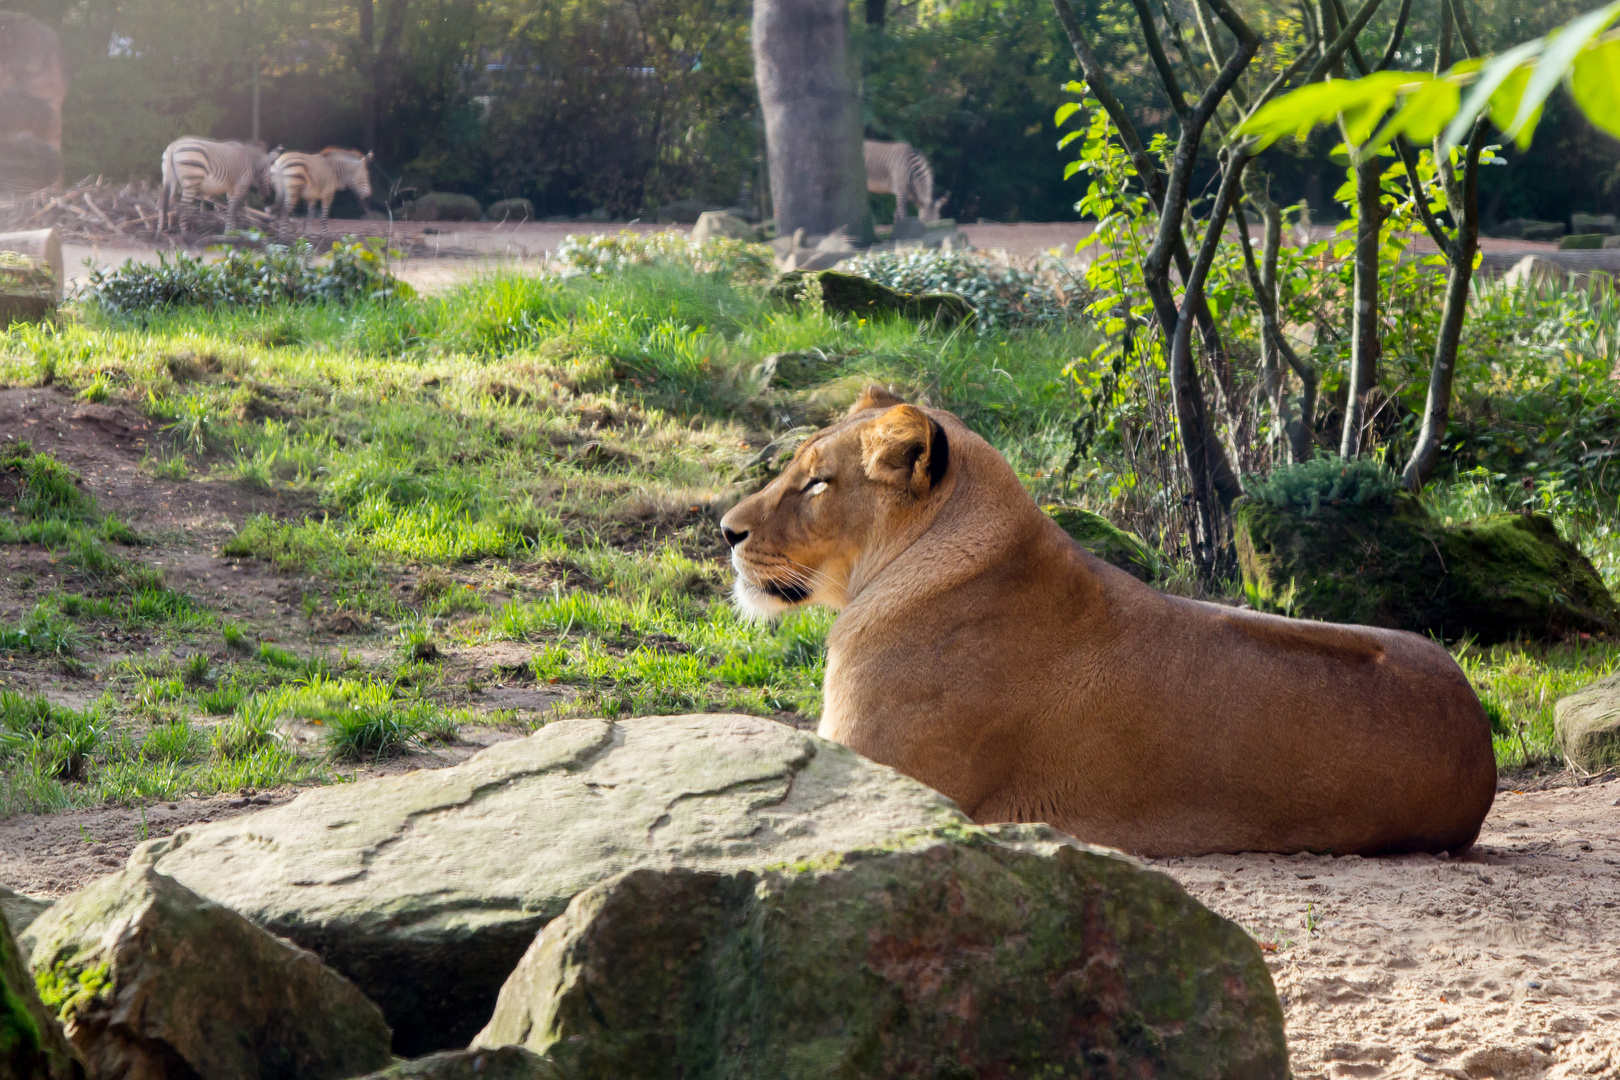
x,y
95,211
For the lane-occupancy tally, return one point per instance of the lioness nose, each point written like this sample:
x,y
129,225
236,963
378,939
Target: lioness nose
x,y
733,537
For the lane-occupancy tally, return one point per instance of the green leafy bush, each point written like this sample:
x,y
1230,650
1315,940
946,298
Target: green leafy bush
x,y
356,270
1005,291
1327,481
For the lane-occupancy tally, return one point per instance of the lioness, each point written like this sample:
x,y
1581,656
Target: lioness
x,y
981,650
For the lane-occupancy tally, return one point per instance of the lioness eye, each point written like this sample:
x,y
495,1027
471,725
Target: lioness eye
x,y
815,487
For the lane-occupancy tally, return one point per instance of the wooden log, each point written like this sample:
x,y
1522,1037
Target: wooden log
x,y
45,247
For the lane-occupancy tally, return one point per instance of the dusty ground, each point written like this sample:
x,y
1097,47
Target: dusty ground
x,y
1503,963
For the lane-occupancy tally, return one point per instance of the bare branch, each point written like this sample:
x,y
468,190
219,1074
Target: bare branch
x,y
1408,153
1345,39
1395,36
1463,26
1167,74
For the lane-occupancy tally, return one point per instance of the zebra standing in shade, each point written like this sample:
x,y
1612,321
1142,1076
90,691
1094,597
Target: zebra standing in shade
x,y
317,178
194,168
894,168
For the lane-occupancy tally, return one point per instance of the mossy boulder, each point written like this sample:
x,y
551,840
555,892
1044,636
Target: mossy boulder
x,y
32,1046
981,952
1583,242
1588,725
852,295
1498,578
151,980
1108,541
442,206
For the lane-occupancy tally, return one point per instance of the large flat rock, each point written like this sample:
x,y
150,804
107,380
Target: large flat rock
x,y
426,889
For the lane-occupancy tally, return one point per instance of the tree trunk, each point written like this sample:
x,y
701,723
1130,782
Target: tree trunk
x,y
1364,343
368,75
812,117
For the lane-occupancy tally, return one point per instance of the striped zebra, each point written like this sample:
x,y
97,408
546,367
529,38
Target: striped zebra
x,y
203,168
894,168
317,178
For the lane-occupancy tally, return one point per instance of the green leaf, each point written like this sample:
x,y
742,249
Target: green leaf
x,y
1072,167
1074,86
1300,111
1428,104
1492,74
1069,138
1595,84
1559,56
1504,106
1064,111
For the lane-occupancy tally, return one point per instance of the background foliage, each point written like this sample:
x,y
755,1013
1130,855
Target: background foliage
x,y
620,105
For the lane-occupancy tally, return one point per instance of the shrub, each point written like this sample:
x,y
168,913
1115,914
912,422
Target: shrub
x,y
605,254
356,270
1004,292
1327,481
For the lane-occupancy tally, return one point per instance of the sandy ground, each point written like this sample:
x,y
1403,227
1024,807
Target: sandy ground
x,y
1503,963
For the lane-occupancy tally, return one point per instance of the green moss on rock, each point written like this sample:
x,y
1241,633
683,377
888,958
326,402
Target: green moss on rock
x,y
852,295
1498,578
1108,541
156,981
32,1046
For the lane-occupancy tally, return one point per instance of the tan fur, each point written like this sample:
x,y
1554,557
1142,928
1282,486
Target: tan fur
x,y
982,651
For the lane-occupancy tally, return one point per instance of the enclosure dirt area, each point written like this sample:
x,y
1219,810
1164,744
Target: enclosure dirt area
x,y
1499,964
1502,963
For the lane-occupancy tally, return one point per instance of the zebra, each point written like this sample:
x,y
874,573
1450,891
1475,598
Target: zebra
x,y
194,168
894,168
317,178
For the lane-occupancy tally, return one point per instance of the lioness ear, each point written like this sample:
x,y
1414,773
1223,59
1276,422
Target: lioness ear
x,y
876,397
905,448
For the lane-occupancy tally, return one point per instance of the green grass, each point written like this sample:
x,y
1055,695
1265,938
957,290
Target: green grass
x,y
530,460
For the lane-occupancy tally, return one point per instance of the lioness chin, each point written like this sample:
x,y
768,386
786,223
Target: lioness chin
x,y
981,650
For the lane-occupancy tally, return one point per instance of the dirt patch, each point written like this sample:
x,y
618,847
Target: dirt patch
x,y
1502,963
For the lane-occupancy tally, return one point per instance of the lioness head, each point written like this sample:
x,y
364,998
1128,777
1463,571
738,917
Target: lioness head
x,y
802,539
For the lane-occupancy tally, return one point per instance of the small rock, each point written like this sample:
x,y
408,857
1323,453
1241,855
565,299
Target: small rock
x,y
148,975
502,1063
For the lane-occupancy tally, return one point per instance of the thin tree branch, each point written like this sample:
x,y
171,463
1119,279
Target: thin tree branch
x,y
1197,436
1469,40
1345,39
1192,133
1097,82
1395,36
1408,153
1355,45
1167,74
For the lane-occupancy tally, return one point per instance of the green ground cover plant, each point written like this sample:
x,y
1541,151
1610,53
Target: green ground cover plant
x,y
527,463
